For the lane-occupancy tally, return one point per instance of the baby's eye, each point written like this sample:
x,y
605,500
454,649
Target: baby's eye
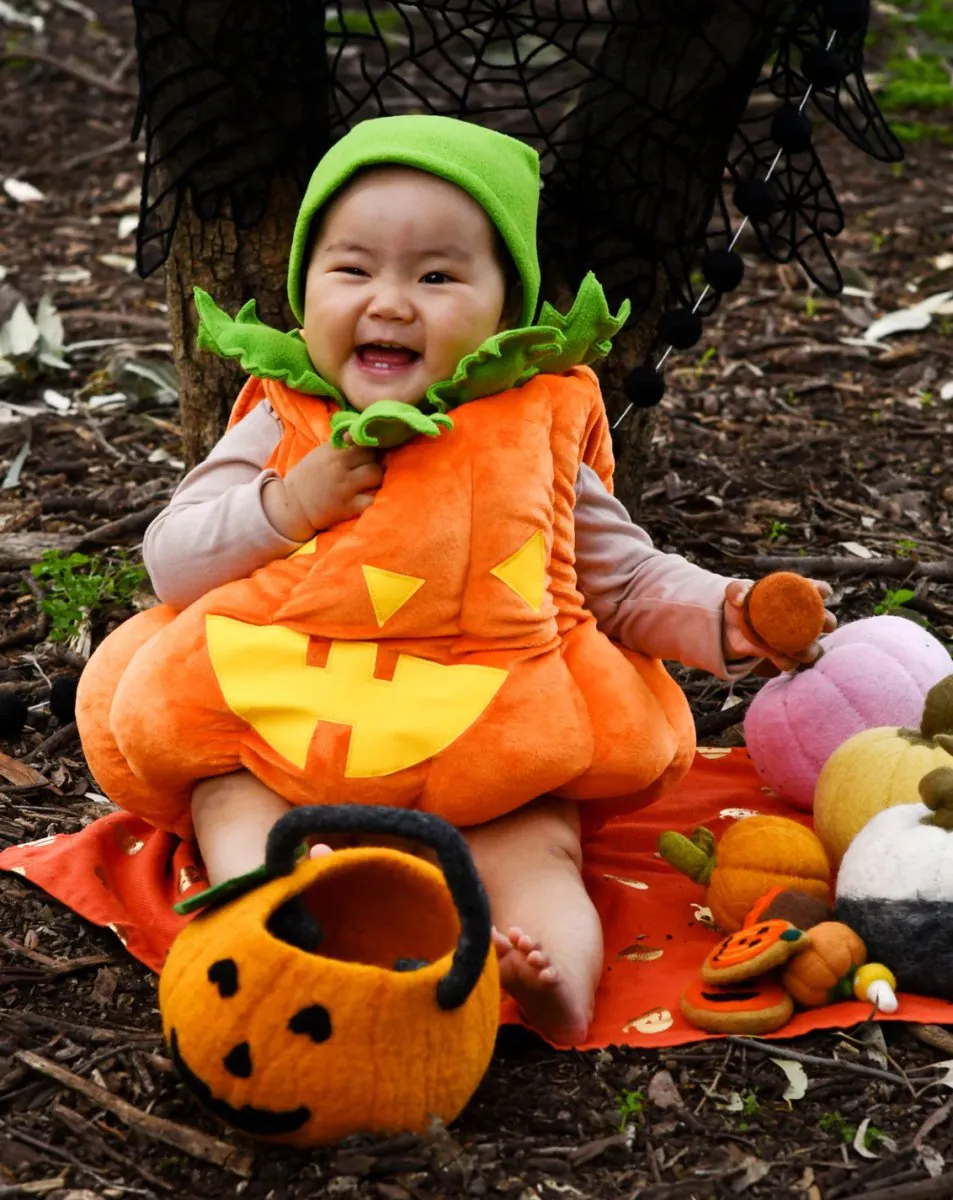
x,y
436,277
357,272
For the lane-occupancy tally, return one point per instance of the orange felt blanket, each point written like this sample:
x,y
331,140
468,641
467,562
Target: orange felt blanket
x,y
123,874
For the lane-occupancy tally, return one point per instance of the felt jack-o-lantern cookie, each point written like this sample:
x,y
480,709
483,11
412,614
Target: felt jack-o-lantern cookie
x,y
753,1006
752,951
353,993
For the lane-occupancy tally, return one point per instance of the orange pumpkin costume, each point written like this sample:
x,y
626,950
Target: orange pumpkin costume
x,y
433,653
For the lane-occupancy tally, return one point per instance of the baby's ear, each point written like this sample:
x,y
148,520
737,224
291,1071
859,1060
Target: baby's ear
x,y
512,308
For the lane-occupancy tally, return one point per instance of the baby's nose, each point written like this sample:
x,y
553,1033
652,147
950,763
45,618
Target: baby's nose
x,y
391,303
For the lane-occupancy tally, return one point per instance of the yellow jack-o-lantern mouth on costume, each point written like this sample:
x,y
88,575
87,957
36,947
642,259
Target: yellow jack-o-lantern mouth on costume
x,y
351,993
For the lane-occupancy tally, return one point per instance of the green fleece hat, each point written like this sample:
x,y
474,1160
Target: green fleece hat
x,y
499,172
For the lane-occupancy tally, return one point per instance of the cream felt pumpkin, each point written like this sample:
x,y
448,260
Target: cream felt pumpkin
x,y
354,993
879,768
895,888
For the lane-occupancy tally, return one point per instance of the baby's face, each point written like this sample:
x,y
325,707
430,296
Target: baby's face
x,y
403,282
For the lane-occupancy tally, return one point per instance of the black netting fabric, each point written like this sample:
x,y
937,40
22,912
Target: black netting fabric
x,y
638,109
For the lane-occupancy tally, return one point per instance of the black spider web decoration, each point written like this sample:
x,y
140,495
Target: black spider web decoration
x,y
637,108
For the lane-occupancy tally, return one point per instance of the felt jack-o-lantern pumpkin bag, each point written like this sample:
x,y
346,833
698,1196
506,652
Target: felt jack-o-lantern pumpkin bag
x,y
355,992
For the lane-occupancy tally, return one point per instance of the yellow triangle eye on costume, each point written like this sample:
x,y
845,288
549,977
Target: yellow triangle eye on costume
x,y
525,571
389,591
395,723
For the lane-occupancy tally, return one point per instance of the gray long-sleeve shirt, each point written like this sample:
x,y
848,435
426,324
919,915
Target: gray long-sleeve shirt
x,y
650,601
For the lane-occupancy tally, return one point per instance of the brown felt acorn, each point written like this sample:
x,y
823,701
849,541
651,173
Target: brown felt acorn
x,y
790,904
785,611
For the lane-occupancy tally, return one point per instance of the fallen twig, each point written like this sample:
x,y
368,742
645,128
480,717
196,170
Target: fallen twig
x,y
833,564
781,1051
68,68
937,1188
57,739
35,1187
718,722
937,1117
189,1141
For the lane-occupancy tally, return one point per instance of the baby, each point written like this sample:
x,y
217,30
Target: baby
x,y
411,261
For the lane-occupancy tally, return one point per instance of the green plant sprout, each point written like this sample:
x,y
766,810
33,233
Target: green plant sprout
x,y
78,586
906,547
894,600
629,1104
833,1122
704,358
810,306
778,529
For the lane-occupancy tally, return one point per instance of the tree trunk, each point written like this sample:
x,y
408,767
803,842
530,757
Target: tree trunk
x,y
633,447
233,266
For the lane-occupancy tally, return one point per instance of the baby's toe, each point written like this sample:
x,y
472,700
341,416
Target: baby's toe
x,y
539,959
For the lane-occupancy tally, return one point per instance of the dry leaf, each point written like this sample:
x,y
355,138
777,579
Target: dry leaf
x,y
22,192
20,774
932,1161
629,883
797,1078
104,986
754,1170
637,953
662,1091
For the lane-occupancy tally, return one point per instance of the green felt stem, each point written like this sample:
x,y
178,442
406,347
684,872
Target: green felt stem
x,y
387,421
936,791
684,855
938,709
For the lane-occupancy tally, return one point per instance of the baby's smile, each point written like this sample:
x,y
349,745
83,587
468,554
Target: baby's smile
x,y
385,359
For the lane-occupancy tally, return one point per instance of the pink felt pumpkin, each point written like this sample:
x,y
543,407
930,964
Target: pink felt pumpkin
x,y
873,672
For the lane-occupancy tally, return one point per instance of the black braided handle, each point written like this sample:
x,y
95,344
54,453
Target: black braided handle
x,y
452,851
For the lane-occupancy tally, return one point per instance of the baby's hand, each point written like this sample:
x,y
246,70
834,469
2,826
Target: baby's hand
x,y
738,638
326,487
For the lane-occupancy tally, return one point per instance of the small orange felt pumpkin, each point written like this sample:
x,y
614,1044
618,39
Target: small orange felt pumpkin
x,y
754,854
785,611
754,1006
353,993
824,973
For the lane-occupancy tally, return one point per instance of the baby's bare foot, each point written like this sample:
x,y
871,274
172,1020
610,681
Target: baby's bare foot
x,y
550,1000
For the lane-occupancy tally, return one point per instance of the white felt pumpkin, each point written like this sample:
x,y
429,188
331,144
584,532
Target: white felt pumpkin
x,y
874,672
895,888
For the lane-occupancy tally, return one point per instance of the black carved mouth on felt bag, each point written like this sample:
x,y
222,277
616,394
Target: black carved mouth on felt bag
x,y
260,1122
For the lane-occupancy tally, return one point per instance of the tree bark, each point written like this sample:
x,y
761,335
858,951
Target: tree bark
x,y
232,265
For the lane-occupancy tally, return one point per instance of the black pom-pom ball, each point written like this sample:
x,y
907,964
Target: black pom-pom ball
x,y
681,328
791,130
723,270
63,698
847,16
644,387
823,68
756,198
13,714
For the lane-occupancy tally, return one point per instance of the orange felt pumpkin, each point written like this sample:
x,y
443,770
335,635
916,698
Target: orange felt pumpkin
x,y
785,611
824,973
432,653
754,1006
345,994
753,855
